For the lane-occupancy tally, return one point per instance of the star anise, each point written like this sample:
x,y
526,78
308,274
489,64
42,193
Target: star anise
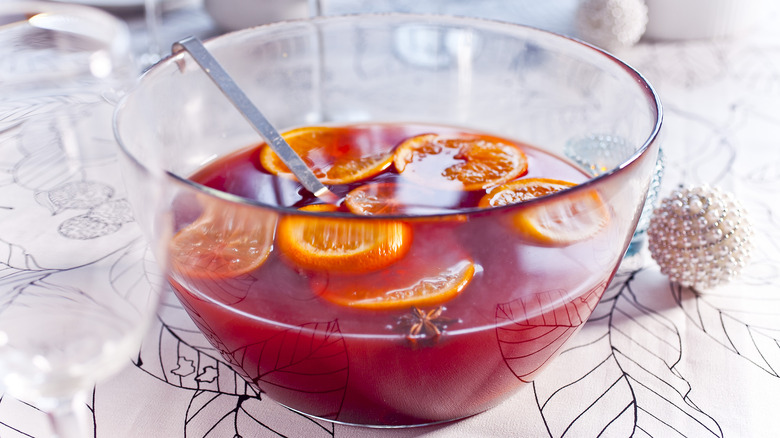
x,y
424,327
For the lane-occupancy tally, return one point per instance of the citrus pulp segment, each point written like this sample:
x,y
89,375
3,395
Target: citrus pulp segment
x,y
563,221
336,155
223,243
465,162
434,271
347,245
522,190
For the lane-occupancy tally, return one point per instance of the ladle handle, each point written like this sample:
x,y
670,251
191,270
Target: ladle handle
x,y
253,115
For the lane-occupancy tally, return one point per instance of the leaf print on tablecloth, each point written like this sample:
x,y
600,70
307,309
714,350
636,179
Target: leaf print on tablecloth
x,y
223,403
175,318
15,111
58,149
70,314
23,282
112,290
9,156
532,330
21,419
15,257
185,367
305,365
176,338
45,165
25,420
618,377
124,272
757,69
221,415
18,269
174,350
710,149
168,358
698,63
734,322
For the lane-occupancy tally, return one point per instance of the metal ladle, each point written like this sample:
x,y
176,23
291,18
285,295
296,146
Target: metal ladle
x,y
259,122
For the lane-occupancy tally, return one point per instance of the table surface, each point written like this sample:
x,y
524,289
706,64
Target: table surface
x,y
656,359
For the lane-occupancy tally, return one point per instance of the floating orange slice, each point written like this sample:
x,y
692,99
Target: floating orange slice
x,y
466,162
346,245
435,270
387,198
376,199
522,190
336,155
223,243
562,221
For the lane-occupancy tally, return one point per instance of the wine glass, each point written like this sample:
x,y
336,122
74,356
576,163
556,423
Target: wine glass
x,y
75,294
153,22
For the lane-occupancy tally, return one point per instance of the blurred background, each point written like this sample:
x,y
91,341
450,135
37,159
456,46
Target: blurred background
x,y
611,24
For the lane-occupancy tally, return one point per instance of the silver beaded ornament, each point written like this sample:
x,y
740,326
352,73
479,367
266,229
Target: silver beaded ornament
x,y
700,237
611,24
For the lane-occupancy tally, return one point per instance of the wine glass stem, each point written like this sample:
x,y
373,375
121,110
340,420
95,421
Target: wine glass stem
x,y
153,15
69,418
315,8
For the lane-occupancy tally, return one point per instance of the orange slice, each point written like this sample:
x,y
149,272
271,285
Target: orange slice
x,y
336,155
562,221
522,190
375,199
223,243
466,162
435,270
386,198
346,245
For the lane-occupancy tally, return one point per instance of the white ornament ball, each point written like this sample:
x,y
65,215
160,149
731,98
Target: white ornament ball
x,y
611,24
700,237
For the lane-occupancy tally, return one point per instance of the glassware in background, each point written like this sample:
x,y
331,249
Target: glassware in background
x,y
554,15
163,22
153,19
79,316
232,15
671,20
599,153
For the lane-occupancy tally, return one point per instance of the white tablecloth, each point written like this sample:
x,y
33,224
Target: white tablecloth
x,y
654,360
